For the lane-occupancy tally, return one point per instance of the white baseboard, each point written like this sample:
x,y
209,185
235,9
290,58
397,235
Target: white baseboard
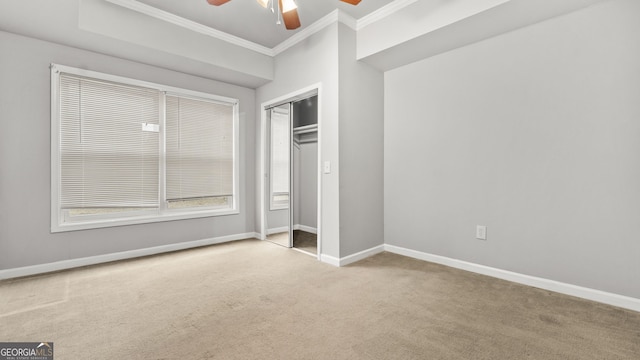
x,y
361,255
330,260
351,258
277,230
551,285
98,259
282,229
305,228
546,284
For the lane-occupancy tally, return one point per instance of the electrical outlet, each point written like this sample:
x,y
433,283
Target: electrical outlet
x,y
481,232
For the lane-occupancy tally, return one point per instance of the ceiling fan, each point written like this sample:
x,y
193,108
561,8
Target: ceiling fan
x,y
288,10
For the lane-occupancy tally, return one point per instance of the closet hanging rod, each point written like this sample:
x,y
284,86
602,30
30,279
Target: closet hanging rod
x,y
303,96
305,129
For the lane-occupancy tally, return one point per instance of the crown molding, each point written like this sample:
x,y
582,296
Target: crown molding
x,y
383,12
346,19
191,25
332,17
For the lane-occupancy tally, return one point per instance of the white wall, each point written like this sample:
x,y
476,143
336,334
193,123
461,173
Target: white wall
x,y
313,61
25,238
535,134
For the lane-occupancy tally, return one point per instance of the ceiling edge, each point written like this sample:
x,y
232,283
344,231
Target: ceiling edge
x,y
383,12
334,16
330,18
191,25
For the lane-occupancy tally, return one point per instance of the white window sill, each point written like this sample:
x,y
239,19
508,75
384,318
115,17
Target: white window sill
x,y
143,219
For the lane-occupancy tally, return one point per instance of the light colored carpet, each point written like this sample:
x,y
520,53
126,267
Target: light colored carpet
x,y
255,300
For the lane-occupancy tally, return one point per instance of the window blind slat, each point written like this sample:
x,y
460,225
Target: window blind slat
x,y
199,148
107,160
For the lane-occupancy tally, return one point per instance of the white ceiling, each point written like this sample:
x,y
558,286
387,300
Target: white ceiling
x,y
248,20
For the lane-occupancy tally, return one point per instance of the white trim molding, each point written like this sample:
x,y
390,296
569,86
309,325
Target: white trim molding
x,y
546,284
331,260
315,89
320,24
99,259
383,12
277,230
350,259
346,19
191,25
331,18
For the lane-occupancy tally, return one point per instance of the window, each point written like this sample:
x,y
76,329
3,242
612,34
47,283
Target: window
x,y
126,152
199,153
280,154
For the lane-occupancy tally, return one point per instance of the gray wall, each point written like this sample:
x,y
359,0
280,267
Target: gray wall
x,y
535,134
361,150
305,190
312,61
305,184
25,238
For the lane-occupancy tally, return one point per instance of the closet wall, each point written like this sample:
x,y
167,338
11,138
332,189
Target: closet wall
x,y
305,164
305,180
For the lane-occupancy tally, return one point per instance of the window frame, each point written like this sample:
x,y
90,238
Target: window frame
x,y
60,219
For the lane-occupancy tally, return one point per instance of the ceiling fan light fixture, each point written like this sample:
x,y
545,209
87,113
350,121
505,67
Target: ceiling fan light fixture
x,y
287,10
288,5
217,2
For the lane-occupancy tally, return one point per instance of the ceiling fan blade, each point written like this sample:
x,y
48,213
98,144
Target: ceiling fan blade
x,y
217,2
290,18
352,2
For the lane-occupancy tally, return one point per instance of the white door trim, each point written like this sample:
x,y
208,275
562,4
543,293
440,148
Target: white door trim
x,y
292,96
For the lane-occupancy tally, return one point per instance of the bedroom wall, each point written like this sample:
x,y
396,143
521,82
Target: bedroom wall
x,y
361,150
534,134
25,237
310,62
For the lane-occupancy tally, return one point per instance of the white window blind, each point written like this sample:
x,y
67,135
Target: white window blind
x,y
199,148
106,159
126,151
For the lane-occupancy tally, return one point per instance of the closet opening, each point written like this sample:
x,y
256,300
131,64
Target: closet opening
x,y
305,174
291,181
